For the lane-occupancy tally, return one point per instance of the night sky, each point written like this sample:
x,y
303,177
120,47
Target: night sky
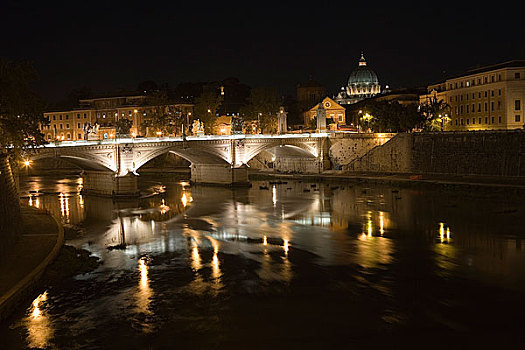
x,y
114,45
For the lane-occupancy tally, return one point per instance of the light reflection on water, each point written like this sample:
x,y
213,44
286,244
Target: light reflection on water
x,y
367,229
38,324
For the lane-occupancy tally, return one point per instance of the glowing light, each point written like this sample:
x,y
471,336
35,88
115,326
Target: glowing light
x,y
27,163
184,200
163,207
265,240
274,196
286,247
196,258
442,231
448,233
39,329
369,225
381,223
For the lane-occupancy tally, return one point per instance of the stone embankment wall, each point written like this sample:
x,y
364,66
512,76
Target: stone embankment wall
x,y
345,148
10,217
495,153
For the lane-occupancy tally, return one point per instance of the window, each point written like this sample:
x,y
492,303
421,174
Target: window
x,y
61,126
517,75
479,107
486,93
499,77
85,115
479,81
499,92
479,120
473,108
492,78
492,120
517,118
499,120
79,136
60,117
78,125
462,122
54,117
456,122
467,108
67,126
461,109
69,136
78,115
485,80
499,105
473,96
486,120
461,97
466,97
517,105
492,106
468,121
492,93
486,107
473,121
479,94
456,98
468,83
67,116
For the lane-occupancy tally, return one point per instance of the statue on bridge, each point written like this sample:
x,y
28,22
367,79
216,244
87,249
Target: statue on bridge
x,y
197,128
90,131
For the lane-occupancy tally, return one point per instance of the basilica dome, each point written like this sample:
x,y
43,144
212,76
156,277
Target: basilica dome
x,y
362,74
362,84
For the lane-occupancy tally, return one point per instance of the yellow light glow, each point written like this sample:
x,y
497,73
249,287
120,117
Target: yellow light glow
x,y
265,240
381,223
184,200
39,328
27,162
442,231
286,246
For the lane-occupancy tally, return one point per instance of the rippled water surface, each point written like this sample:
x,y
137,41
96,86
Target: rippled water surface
x,y
281,265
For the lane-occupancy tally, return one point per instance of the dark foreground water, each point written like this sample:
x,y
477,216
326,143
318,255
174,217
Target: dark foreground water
x,y
289,265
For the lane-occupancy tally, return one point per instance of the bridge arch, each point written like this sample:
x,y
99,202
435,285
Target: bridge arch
x,y
307,148
192,155
84,161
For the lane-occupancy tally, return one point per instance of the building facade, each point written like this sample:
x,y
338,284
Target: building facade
x,y
486,98
332,109
105,112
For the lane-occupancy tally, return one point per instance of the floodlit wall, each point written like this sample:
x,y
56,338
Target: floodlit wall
x,y
491,153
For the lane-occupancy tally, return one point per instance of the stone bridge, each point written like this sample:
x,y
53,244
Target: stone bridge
x,y
111,165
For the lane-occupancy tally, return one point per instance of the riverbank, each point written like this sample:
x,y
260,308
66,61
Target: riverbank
x,y
41,239
405,180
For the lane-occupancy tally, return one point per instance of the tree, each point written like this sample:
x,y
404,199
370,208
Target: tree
x,y
436,114
389,116
162,120
263,106
123,126
206,107
21,110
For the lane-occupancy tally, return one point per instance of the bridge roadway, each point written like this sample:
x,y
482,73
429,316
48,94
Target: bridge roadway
x,y
111,165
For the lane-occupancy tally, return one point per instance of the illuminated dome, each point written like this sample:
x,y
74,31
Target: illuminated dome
x,y
363,74
362,83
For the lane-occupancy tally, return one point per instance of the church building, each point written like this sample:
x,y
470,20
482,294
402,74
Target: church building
x,y
362,84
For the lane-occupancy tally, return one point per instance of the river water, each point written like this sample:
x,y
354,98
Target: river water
x,y
281,265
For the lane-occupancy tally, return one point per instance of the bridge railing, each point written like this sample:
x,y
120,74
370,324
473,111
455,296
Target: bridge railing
x,y
180,139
